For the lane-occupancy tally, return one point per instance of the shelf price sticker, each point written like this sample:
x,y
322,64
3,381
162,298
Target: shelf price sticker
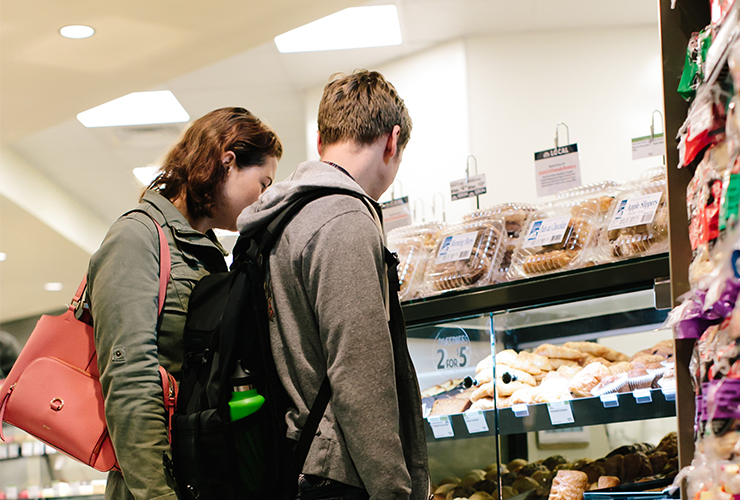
x,y
3,451
475,185
635,211
557,169
27,449
642,396
475,420
669,393
458,247
441,426
452,349
396,213
520,410
546,231
14,451
648,146
560,413
38,448
609,400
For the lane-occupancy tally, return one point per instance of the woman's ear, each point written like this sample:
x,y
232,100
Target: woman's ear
x,y
228,159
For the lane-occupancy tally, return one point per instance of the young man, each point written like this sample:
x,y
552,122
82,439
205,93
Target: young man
x,y
334,311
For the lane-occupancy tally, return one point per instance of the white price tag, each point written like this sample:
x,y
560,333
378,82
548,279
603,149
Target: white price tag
x,y
609,400
465,188
11,492
557,169
646,147
520,410
635,211
475,420
441,426
458,247
669,393
642,396
546,231
27,449
38,448
560,413
3,451
14,451
396,213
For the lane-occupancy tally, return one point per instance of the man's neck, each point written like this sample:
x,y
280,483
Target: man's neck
x,y
360,162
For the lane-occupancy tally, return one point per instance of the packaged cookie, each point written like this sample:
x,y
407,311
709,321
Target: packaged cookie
x,y
467,255
414,246
556,239
638,221
514,217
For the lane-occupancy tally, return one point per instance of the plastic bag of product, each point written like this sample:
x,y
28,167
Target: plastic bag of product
x,y
557,239
467,255
514,217
414,246
638,220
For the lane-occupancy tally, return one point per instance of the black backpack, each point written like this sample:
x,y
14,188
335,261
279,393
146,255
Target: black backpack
x,y
227,323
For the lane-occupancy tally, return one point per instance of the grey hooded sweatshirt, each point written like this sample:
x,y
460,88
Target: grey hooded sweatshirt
x,y
327,287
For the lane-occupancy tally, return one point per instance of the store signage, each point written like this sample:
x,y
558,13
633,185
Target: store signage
x,y
475,420
557,169
635,211
560,413
465,188
546,231
451,349
648,146
396,213
458,247
441,426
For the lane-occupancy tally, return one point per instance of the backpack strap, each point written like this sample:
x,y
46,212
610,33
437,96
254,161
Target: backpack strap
x,y
318,408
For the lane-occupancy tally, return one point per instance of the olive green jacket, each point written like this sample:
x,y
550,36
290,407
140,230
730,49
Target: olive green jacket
x,y
123,287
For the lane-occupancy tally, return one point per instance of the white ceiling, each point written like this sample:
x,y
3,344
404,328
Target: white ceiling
x,y
210,54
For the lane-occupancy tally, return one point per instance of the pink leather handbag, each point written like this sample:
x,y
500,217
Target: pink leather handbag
x,y
53,392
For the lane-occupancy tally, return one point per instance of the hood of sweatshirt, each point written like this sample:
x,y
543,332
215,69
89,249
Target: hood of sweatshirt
x,y
309,176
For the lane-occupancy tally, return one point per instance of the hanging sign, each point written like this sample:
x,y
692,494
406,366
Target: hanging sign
x,y
396,213
557,169
645,147
475,185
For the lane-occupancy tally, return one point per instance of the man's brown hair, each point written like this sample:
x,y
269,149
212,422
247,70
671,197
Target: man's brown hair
x,y
361,107
193,165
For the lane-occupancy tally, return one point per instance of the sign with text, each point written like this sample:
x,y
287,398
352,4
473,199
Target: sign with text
x,y
474,185
441,426
646,147
396,213
557,169
546,231
635,211
452,349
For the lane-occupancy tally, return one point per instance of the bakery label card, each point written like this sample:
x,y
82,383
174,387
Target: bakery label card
x,y
474,185
560,413
646,147
546,231
557,169
635,211
475,420
396,213
458,247
441,426
452,349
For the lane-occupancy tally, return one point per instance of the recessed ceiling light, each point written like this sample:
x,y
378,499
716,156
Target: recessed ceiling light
x,y
53,287
77,31
353,28
137,108
3,256
146,175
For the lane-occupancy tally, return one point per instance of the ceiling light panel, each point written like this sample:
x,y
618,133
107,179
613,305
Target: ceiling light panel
x,y
77,31
53,287
353,28
137,108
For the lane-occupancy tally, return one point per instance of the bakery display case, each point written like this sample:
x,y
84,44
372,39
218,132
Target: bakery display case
x,y
563,371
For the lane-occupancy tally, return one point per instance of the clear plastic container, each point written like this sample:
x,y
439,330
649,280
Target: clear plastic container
x,y
558,237
514,217
467,255
414,246
638,221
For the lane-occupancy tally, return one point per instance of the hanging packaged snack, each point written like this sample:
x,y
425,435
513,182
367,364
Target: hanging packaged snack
x,y
556,239
414,246
514,217
704,125
693,69
638,221
467,255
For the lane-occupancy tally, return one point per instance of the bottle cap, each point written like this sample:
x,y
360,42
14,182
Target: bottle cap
x,y
241,379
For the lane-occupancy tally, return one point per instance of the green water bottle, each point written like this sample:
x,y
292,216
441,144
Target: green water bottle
x,y
244,400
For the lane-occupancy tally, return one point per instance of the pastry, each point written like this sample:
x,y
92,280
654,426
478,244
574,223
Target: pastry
x,y
555,388
509,357
569,485
569,371
597,350
508,374
553,351
620,367
607,482
510,388
556,363
485,403
485,364
541,362
523,396
449,406
588,378
485,390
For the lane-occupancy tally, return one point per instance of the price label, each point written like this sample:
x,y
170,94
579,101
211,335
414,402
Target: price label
x,y
475,420
14,451
646,147
546,231
452,349
669,393
441,426
465,188
557,169
38,448
27,449
458,247
3,451
609,400
635,211
642,396
520,410
396,213
560,413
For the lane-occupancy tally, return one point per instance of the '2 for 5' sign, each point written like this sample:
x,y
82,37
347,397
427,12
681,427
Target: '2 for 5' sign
x,y
452,347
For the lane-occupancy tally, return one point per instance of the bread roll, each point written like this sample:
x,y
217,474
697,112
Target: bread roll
x,y
449,406
553,351
569,485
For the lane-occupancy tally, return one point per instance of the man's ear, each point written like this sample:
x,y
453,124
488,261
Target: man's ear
x,y
391,145
319,146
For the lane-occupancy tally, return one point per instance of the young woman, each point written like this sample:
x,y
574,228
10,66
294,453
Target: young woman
x,y
223,162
